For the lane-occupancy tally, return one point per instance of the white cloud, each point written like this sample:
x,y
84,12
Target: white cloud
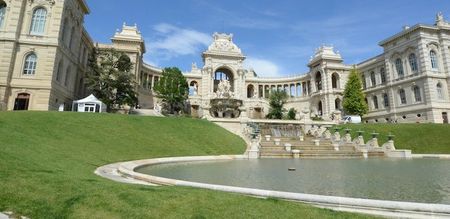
x,y
172,41
263,67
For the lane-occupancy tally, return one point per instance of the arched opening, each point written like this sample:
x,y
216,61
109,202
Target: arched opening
x,y
193,88
335,80
223,74
318,81
319,108
250,91
22,101
433,59
440,94
30,64
373,79
337,104
38,21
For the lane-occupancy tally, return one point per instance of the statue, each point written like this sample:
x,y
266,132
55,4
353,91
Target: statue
x,y
224,89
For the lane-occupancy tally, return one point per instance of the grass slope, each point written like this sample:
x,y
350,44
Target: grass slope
x,y
420,138
47,161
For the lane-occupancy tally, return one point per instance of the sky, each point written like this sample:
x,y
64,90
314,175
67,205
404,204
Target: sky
x,y
278,37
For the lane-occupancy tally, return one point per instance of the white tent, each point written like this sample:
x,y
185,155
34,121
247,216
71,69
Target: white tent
x,y
89,104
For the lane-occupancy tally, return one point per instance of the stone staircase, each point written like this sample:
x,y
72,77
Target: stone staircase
x,y
146,112
309,149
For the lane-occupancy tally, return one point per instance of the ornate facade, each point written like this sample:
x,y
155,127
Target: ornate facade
x,y
45,49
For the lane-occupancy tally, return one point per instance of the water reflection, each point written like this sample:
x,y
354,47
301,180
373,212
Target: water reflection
x,y
418,180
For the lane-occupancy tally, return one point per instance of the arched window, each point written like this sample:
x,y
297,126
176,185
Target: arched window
x,y
363,79
440,94
64,30
399,67
335,81
30,64
337,104
413,62
375,102
373,80
250,91
22,101
59,70
383,75
319,108
38,21
433,59
223,74
2,13
66,79
193,88
318,81
402,96
385,100
417,94
72,32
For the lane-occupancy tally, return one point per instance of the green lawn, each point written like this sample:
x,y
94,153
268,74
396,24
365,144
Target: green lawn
x,y
420,138
47,160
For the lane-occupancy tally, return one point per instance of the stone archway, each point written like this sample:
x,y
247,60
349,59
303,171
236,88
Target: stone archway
x,y
250,91
223,74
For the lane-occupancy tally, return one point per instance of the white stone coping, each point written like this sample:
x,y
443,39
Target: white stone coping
x,y
435,156
370,206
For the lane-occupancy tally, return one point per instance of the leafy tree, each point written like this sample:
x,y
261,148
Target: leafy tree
x,y
172,88
291,114
354,102
110,78
276,101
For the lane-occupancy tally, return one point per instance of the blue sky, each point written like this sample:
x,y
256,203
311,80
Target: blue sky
x,y
278,37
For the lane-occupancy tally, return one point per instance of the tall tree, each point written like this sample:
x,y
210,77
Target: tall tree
x,y
172,88
110,78
354,102
277,99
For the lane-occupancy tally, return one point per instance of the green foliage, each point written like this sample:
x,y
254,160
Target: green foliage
x,y
291,114
110,78
354,103
277,100
172,88
48,159
317,118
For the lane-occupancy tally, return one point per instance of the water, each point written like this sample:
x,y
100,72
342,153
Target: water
x,y
417,180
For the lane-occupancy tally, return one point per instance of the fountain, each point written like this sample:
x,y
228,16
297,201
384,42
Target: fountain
x,y
224,105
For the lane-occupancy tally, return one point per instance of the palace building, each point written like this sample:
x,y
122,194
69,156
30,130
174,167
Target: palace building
x,y
45,48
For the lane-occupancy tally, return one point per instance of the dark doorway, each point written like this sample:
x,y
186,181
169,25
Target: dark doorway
x,y
445,117
22,101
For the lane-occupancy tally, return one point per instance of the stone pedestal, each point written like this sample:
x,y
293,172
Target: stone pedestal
x,y
302,138
336,146
253,153
296,153
316,142
287,147
267,137
277,141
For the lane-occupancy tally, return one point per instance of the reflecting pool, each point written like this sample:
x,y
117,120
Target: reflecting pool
x,y
416,180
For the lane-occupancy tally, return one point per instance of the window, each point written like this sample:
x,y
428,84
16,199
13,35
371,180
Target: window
x,y
66,79
318,81
58,73
413,62
440,94
399,68
433,59
363,79
30,64
385,100
335,81
72,32
2,13
402,95
417,95
375,102
383,75
64,30
38,21
373,80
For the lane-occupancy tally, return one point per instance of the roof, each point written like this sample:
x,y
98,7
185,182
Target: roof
x,y
89,99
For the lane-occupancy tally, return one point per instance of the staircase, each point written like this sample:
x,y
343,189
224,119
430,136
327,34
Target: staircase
x,y
146,112
308,149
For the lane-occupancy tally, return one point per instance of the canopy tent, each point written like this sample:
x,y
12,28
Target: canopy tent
x,y
89,104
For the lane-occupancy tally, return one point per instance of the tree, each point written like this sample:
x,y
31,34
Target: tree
x,y
172,88
110,78
291,114
354,102
276,101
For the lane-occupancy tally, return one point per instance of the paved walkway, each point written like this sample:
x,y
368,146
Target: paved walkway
x,y
110,172
3,216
